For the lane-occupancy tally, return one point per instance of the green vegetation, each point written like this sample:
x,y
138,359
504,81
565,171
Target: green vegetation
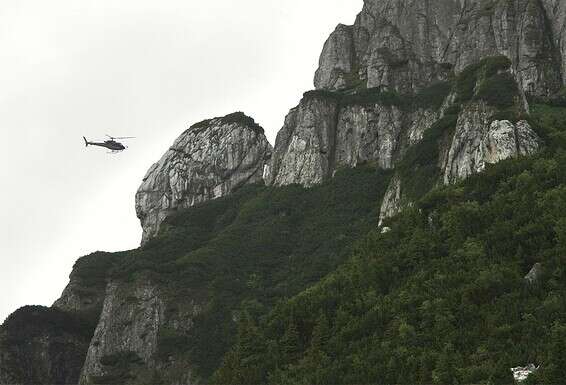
x,y
39,345
259,244
550,123
419,170
433,96
236,117
490,81
499,90
242,119
30,322
440,299
91,271
430,97
482,72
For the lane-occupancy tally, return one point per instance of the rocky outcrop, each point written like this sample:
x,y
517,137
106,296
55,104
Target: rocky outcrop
x,y
339,50
84,295
392,200
209,160
304,148
479,141
126,343
127,331
521,373
406,45
534,274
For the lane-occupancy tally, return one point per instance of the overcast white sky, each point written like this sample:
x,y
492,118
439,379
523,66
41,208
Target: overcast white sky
x,y
140,68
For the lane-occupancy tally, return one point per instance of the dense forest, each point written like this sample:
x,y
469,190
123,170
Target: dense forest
x,y
439,298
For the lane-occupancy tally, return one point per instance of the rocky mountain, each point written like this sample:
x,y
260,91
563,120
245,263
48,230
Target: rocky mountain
x,y
406,65
405,45
209,160
237,234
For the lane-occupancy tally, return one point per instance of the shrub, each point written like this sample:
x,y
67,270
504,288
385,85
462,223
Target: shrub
x,y
468,80
234,118
419,169
499,90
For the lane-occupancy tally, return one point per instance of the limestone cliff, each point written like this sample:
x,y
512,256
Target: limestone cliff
x,y
385,81
480,140
327,131
405,45
209,160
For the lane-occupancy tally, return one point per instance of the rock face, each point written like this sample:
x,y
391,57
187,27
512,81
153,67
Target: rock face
x,y
534,274
304,146
391,204
556,16
209,160
521,373
128,326
479,141
323,134
408,48
405,45
134,316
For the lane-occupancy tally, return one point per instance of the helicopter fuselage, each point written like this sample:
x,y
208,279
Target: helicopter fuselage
x,y
109,144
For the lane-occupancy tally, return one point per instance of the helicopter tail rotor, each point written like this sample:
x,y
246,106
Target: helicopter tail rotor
x,y
86,142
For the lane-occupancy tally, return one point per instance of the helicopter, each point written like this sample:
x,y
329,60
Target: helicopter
x,y
110,144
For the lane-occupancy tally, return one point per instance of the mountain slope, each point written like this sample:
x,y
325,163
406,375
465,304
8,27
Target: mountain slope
x,y
171,307
440,298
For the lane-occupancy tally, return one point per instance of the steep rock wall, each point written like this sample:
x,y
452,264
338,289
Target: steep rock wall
x,y
323,134
405,45
304,147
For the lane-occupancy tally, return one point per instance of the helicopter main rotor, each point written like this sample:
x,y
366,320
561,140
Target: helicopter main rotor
x,y
120,137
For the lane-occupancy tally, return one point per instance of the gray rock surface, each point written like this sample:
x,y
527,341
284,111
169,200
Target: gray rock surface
x,y
392,200
405,45
534,274
133,316
129,324
522,373
556,16
208,161
339,50
304,147
321,135
479,141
